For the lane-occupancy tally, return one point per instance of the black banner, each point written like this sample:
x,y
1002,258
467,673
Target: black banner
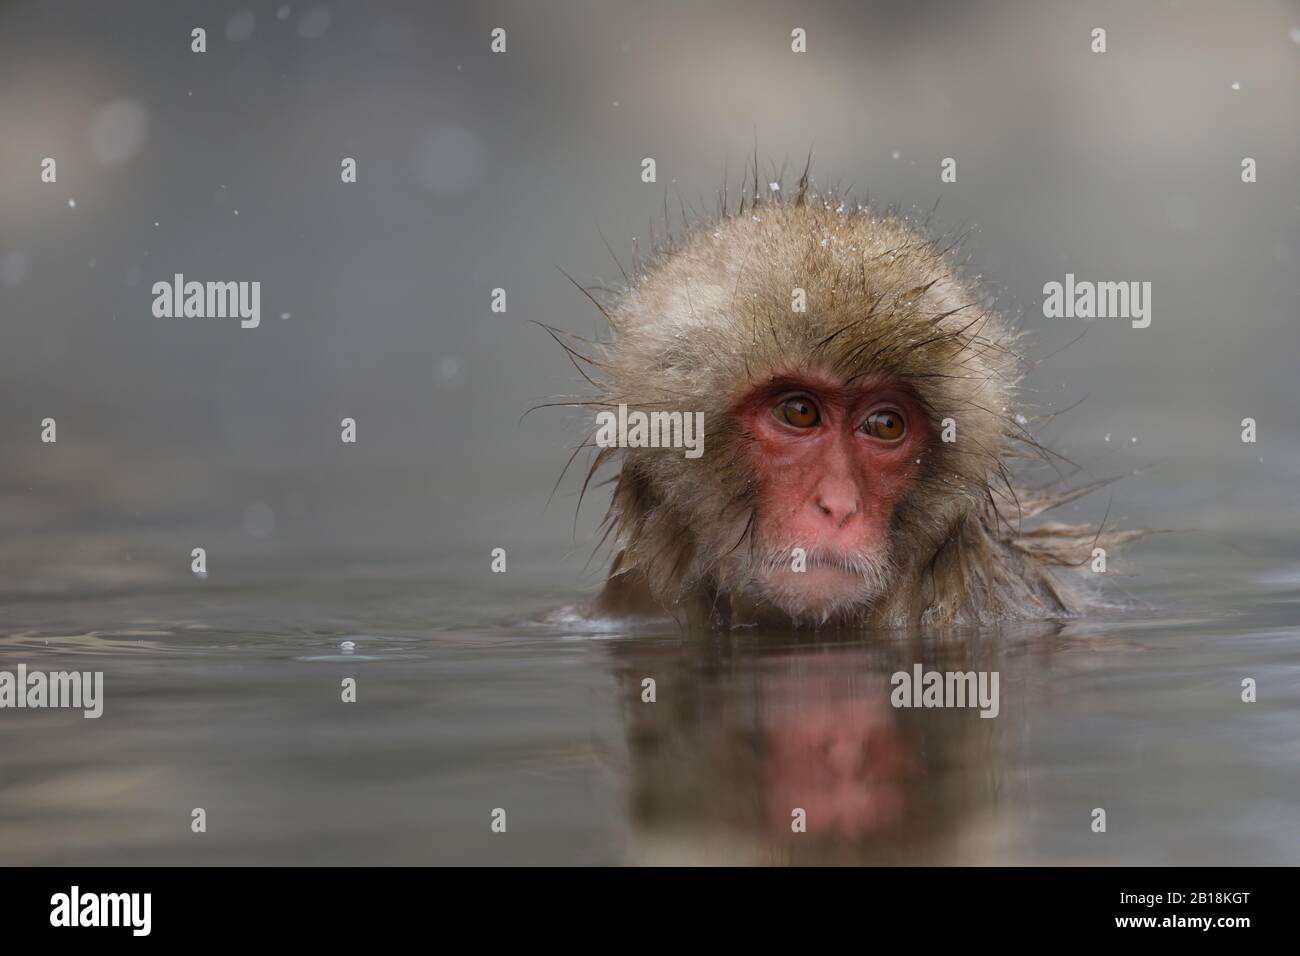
x,y
366,905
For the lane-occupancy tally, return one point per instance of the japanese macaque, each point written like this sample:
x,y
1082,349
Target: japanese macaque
x,y
858,416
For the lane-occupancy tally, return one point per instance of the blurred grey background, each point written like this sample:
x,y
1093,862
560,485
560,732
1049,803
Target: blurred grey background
x,y
479,170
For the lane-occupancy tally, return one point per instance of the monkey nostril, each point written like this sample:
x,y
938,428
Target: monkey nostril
x,y
839,511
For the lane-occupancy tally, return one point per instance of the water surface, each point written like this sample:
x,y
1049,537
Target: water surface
x,y
474,693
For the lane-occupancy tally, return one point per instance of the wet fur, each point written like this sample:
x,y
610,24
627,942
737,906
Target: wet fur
x,y
708,318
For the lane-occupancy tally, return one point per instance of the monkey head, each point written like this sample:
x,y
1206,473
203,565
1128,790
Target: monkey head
x,y
855,394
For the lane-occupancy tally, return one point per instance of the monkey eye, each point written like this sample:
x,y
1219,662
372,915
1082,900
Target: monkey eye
x,y
798,411
886,424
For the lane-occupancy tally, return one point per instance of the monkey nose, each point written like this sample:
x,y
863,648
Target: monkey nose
x,y
839,508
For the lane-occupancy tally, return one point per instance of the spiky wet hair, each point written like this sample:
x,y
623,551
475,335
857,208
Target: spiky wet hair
x,y
708,318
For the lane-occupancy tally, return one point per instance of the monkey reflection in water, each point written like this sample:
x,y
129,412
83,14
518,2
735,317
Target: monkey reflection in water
x,y
757,754
856,401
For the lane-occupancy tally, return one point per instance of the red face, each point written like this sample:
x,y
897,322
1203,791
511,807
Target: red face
x,y
832,460
844,762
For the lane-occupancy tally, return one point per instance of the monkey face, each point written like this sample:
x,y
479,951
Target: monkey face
x,y
845,762
831,458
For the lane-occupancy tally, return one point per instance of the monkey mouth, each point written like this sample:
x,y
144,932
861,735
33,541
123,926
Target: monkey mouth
x,y
823,581
849,562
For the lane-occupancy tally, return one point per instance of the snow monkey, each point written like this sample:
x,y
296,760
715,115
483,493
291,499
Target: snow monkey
x,y
856,404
